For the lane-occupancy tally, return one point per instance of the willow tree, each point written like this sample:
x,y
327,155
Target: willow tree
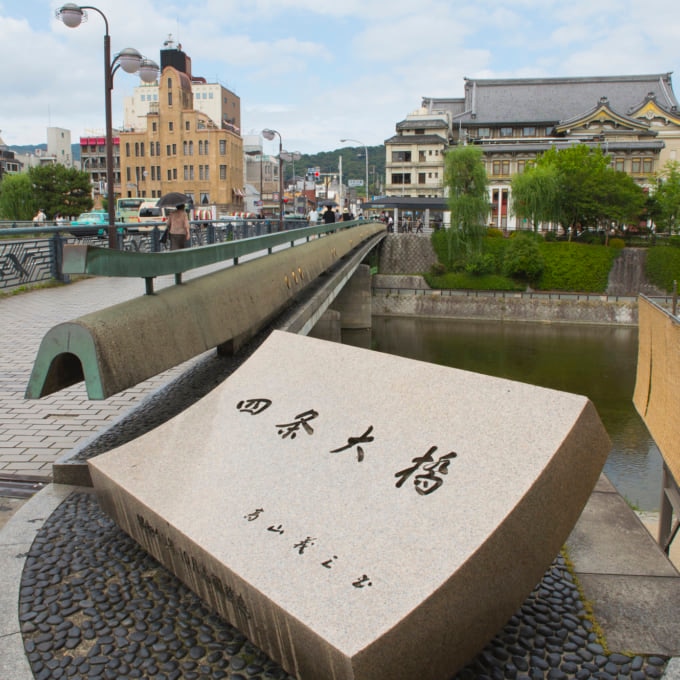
x,y
534,194
466,181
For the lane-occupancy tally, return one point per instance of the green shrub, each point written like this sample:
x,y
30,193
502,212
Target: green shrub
x,y
617,243
576,266
523,259
463,281
662,267
494,232
479,265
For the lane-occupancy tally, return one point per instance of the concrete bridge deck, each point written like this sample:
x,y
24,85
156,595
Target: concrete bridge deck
x,y
632,588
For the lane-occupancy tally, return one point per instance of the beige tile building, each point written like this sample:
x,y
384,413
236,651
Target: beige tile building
x,y
182,148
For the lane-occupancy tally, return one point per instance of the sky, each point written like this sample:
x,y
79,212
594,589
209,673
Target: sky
x,y
318,71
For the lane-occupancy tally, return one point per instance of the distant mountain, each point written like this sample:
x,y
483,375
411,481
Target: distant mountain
x,y
30,148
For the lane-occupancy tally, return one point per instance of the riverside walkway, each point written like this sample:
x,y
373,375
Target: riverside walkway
x,y
633,589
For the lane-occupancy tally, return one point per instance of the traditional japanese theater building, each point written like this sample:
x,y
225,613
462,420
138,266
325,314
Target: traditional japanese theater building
x,y
634,119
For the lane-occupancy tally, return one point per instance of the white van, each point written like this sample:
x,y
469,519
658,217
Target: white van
x,y
150,212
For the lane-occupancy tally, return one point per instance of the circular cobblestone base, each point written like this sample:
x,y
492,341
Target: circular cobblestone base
x,y
93,604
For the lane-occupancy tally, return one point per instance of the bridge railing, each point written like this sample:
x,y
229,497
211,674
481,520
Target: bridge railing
x,y
85,259
31,254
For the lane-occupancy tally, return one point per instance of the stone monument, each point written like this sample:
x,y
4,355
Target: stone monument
x,y
359,516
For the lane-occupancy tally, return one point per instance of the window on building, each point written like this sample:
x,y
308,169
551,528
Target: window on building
x,y
136,149
635,166
168,149
484,132
187,125
521,167
619,164
421,178
501,168
529,131
186,172
169,175
174,173
210,95
169,83
185,147
647,165
205,198
191,172
174,149
223,172
127,149
200,147
152,149
205,147
128,174
141,148
191,148
401,156
401,178
171,126
422,157
200,172
169,98
154,126
223,147
506,132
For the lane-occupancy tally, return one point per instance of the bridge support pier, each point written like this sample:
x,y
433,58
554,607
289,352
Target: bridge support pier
x,y
354,301
328,327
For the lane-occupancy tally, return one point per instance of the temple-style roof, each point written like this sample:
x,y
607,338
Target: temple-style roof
x,y
550,100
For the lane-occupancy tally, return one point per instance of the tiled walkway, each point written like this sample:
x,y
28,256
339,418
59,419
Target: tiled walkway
x,y
36,433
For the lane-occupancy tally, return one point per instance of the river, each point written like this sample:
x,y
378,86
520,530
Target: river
x,y
596,361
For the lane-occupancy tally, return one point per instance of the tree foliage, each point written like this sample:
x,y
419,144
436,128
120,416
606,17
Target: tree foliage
x,y
589,192
666,199
17,201
535,194
58,189
466,181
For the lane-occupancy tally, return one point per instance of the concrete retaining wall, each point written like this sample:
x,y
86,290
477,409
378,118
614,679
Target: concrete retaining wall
x,y
523,307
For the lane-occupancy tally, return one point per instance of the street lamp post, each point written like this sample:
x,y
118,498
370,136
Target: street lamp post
x,y
366,159
131,61
291,157
269,135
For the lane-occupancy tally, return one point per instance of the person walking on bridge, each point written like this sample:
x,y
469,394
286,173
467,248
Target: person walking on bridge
x,y
179,229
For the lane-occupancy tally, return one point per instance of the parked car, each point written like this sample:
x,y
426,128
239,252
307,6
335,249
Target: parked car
x,y
98,218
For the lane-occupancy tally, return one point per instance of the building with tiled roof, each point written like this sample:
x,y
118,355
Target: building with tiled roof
x,y
634,119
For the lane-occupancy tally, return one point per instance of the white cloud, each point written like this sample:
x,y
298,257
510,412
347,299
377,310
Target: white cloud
x,y
319,70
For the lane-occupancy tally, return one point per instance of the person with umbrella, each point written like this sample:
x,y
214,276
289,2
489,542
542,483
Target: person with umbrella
x,y
328,215
178,228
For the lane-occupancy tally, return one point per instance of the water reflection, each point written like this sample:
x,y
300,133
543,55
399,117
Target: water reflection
x,y
596,361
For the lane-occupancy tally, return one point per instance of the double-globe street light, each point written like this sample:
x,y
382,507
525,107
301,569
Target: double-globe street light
x,y
131,61
356,141
269,135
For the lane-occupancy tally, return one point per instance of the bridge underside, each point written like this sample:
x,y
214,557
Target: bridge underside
x,y
121,346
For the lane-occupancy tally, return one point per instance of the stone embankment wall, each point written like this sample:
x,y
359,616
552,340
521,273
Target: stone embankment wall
x,y
399,290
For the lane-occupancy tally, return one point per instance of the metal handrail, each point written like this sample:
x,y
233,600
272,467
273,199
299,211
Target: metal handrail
x,y
84,259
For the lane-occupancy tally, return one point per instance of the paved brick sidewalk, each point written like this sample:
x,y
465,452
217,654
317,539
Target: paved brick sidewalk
x,y
36,433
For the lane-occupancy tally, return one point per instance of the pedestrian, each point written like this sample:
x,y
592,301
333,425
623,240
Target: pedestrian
x,y
40,216
390,223
179,229
313,217
328,215
419,226
346,215
59,219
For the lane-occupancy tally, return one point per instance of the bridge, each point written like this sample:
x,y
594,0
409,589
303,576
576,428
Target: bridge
x,y
121,346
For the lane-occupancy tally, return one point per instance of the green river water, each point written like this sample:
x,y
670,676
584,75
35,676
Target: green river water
x,y
596,361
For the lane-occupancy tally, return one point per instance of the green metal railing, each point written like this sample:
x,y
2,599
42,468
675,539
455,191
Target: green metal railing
x,y
83,259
